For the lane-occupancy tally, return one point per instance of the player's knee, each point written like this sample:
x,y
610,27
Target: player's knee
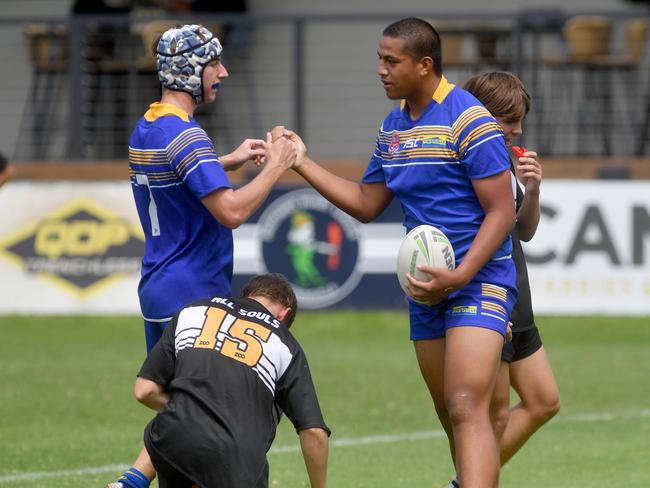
x,y
546,409
461,408
443,416
499,416
441,411
552,407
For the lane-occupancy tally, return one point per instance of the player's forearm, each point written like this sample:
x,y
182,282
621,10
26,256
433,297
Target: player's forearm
x,y
528,216
495,228
157,402
234,207
228,162
314,444
345,194
249,197
151,394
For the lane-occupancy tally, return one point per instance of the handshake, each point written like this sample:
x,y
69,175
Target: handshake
x,y
287,146
279,131
282,149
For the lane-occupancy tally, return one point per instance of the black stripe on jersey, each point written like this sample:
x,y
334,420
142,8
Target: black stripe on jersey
x,y
189,341
275,369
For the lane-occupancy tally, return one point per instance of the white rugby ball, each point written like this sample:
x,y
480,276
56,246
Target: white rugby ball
x,y
427,245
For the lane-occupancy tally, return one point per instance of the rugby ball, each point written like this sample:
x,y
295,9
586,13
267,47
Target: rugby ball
x,y
427,245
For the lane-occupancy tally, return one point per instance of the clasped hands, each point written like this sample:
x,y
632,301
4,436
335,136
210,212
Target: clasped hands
x,y
282,146
281,135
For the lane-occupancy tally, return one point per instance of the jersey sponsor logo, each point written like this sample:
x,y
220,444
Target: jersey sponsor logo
x,y
435,141
314,244
431,142
411,143
464,310
80,247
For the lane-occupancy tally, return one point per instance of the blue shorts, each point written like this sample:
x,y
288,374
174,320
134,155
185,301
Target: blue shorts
x,y
153,331
487,302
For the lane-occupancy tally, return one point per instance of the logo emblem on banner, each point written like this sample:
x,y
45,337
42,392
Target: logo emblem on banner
x,y
314,244
80,247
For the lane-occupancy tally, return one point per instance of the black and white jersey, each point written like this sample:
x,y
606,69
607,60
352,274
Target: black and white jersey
x,y
522,317
231,368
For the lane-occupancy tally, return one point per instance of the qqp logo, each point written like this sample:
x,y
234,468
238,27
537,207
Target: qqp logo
x,y
314,244
80,247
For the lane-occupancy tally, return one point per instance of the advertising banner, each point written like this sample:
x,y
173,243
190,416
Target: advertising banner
x,y
591,252
75,247
69,248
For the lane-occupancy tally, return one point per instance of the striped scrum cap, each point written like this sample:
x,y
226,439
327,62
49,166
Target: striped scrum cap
x,y
181,55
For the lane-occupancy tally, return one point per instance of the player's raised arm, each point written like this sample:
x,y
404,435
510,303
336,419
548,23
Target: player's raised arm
x,y
248,150
233,207
364,201
529,172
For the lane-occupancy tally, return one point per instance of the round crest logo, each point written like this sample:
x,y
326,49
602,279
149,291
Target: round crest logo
x,y
314,244
394,143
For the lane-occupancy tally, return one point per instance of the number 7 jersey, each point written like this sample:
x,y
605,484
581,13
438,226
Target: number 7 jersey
x,y
188,253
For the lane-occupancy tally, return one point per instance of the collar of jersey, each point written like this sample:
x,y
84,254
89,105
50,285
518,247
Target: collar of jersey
x,y
157,110
444,87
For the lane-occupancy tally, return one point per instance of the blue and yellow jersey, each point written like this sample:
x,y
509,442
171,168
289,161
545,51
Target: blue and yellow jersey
x,y
429,163
188,253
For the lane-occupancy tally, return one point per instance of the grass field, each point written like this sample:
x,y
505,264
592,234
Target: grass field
x,y
68,418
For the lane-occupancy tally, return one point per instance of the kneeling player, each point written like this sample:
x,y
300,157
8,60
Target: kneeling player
x,y
220,377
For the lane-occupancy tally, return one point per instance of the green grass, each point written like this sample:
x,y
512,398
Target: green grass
x,y
66,403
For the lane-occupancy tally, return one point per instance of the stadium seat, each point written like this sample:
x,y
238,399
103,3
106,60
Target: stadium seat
x,y
47,45
628,64
587,85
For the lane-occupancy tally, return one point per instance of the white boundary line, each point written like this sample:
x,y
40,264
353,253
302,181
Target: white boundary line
x,y
343,442
39,475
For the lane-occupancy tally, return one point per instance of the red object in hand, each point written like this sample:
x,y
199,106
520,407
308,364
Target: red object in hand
x,y
519,151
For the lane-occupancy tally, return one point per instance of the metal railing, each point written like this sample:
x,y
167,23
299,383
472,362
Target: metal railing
x,y
87,79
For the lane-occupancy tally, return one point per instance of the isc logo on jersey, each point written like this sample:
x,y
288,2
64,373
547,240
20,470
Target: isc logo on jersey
x,y
423,245
314,244
80,247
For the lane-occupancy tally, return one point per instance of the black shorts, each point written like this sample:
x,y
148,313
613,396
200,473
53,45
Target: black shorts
x,y
168,475
523,344
171,477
